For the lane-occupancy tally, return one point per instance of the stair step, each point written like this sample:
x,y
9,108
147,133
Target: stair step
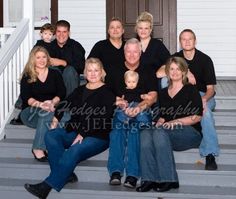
x,y
93,190
96,171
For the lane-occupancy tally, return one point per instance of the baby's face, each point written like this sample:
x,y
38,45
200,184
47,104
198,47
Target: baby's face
x,y
131,82
47,36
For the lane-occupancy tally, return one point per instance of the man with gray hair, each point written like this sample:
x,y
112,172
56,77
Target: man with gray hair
x,y
125,137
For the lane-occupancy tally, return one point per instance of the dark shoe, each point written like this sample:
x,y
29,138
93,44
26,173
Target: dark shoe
x,y
40,190
166,186
42,159
16,121
146,186
210,162
73,178
130,182
115,178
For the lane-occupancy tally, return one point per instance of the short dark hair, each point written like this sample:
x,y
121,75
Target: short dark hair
x,y
63,23
187,30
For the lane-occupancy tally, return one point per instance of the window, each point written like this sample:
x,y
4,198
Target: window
x,y
13,12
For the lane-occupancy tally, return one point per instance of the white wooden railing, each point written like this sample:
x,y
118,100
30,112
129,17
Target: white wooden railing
x,y
5,33
13,56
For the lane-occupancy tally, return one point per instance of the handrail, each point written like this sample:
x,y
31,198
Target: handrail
x,y
13,56
13,43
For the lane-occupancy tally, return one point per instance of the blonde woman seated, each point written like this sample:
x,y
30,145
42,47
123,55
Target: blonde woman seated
x,y
178,129
41,90
85,135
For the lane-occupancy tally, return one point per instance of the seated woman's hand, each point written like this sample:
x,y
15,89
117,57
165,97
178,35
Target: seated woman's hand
x,y
78,139
47,106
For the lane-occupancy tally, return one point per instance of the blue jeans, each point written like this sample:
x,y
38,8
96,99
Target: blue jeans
x,y
156,151
143,117
209,144
40,120
124,149
70,78
63,158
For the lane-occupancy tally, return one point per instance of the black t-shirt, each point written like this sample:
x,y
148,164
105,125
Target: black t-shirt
x,y
185,103
91,111
133,95
41,91
109,55
155,55
202,68
147,80
72,52
44,44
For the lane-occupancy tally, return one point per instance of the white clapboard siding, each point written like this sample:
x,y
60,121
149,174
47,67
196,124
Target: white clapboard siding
x,y
87,19
214,23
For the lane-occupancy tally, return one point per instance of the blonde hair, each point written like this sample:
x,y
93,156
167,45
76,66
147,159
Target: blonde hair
x,y
183,66
144,17
29,69
131,73
96,61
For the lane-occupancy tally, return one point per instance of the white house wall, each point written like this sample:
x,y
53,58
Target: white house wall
x,y
87,19
214,22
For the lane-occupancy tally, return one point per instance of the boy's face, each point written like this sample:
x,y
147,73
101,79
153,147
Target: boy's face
x,y
131,82
47,36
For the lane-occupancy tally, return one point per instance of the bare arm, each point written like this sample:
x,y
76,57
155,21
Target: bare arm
x,y
161,72
58,62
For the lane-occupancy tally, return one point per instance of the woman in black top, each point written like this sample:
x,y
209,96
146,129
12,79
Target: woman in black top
x,y
178,128
111,51
154,53
86,134
41,90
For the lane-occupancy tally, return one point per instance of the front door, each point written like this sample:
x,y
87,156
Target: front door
x,y
164,15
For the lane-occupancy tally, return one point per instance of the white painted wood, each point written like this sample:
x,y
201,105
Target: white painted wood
x,y
214,23
87,19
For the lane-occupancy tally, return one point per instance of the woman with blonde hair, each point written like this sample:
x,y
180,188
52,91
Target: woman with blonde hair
x,y
154,53
85,135
41,90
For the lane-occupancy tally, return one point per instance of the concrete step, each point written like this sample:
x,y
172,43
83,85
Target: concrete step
x,y
19,148
28,169
87,190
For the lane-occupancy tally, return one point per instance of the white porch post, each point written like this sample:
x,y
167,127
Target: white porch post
x,y
28,12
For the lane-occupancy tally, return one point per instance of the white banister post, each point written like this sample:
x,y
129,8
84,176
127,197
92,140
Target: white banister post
x,y
28,12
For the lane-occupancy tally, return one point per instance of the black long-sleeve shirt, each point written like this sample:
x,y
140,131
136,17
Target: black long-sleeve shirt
x,y
72,52
41,91
91,111
109,55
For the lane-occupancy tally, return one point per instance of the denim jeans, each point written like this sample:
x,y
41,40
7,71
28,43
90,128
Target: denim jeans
x,y
209,144
156,151
143,117
124,149
40,120
63,158
70,78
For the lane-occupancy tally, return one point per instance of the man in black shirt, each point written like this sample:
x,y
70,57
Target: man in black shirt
x,y
67,55
126,137
202,74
